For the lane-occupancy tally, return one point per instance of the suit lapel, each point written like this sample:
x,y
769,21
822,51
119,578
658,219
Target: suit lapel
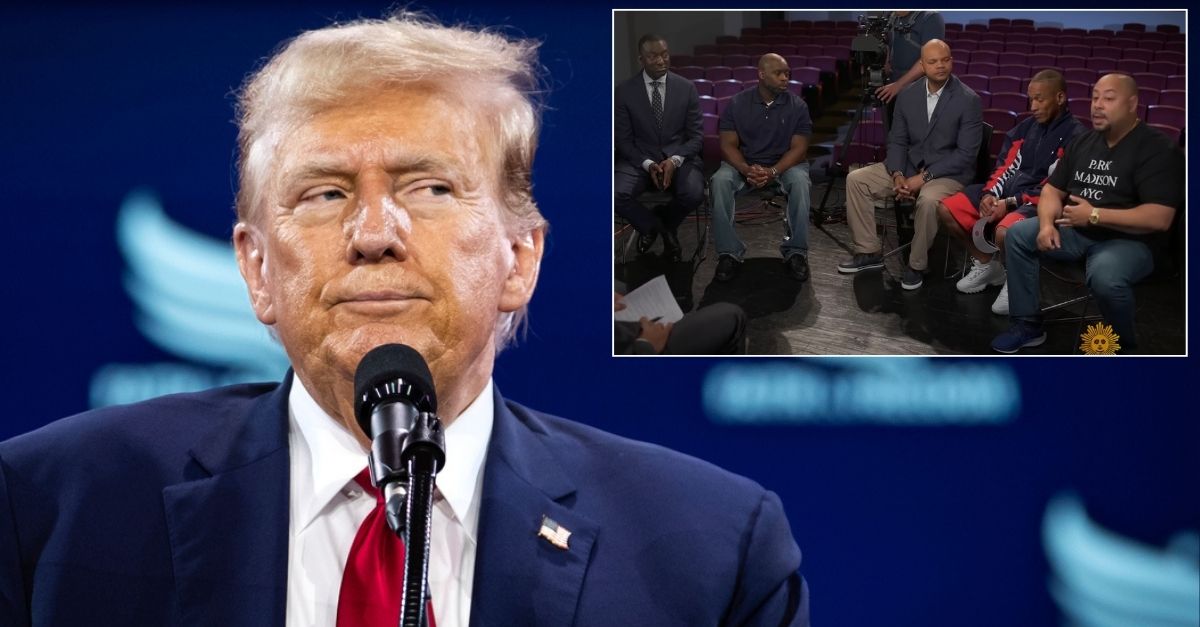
x,y
229,526
521,578
942,103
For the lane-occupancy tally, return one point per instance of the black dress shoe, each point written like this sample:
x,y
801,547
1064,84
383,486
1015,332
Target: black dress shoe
x,y
727,268
671,248
798,267
646,241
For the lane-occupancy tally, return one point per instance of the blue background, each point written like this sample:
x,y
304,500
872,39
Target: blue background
x,y
900,525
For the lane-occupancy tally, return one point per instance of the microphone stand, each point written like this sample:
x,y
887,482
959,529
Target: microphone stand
x,y
424,454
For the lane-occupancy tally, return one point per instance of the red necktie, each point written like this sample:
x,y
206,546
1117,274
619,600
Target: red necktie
x,y
374,576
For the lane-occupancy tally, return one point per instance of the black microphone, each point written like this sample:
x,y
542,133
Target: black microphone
x,y
395,405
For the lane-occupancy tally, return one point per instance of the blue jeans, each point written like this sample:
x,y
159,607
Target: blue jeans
x,y
1113,267
728,182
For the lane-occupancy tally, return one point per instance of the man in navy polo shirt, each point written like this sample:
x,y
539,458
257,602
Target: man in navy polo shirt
x,y
764,139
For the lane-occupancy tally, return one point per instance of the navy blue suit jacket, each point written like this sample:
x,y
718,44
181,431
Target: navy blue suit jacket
x,y
638,137
174,511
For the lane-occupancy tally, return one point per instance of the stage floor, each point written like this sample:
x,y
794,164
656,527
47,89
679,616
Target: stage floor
x,y
869,313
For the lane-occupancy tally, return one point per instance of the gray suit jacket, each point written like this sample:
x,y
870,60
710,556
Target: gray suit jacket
x,y
638,138
946,144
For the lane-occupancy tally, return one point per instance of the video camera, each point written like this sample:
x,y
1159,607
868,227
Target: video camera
x,y
870,49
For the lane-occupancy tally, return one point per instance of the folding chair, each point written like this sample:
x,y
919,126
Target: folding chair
x,y
903,210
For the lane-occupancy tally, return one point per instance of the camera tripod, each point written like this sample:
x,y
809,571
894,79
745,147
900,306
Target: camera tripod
x,y
837,167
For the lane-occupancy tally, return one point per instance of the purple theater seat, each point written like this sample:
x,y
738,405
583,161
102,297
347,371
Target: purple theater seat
x,y
745,73
1102,64
692,72
1165,114
1167,28
987,69
1112,52
1164,67
996,142
991,44
1052,50
1170,97
1148,96
1038,62
1140,54
985,56
1079,89
1076,50
701,49
1082,108
985,98
709,120
1013,69
737,60
1153,80
1136,26
1068,61
1170,55
1175,133
1000,119
707,60
718,73
1016,57
974,81
726,88
1006,83
708,104
704,87
1010,101
681,60
1131,66
1175,81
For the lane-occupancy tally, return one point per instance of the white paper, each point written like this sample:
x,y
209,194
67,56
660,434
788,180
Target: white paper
x,y
652,300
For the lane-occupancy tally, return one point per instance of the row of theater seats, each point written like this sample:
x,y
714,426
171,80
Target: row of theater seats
x,y
995,59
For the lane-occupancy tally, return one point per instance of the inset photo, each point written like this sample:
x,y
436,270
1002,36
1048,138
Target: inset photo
x,y
899,182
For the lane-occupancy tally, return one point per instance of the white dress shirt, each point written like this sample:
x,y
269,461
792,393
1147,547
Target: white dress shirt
x,y
662,91
931,100
327,507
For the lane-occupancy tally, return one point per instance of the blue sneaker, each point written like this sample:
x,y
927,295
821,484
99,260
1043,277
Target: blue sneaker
x,y
1020,335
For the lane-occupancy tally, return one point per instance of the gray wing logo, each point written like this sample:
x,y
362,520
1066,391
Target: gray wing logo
x,y
1102,579
190,298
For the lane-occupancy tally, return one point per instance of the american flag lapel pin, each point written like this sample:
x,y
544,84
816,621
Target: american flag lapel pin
x,y
554,533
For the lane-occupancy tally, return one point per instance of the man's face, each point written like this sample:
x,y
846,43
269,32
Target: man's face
x,y
1045,102
1112,105
937,63
655,58
383,222
775,75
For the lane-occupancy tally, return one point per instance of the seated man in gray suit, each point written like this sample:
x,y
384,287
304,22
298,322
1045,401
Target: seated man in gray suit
x,y
931,154
658,135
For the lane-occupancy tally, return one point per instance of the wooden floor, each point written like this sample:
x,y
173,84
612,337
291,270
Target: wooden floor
x,y
867,313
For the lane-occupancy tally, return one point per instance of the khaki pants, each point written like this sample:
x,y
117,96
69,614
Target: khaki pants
x,y
872,184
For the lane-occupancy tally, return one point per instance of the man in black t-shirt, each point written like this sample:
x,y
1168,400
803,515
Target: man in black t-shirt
x,y
1114,189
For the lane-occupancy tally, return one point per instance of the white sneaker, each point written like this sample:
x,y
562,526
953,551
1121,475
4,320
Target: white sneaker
x,y
1000,307
981,276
